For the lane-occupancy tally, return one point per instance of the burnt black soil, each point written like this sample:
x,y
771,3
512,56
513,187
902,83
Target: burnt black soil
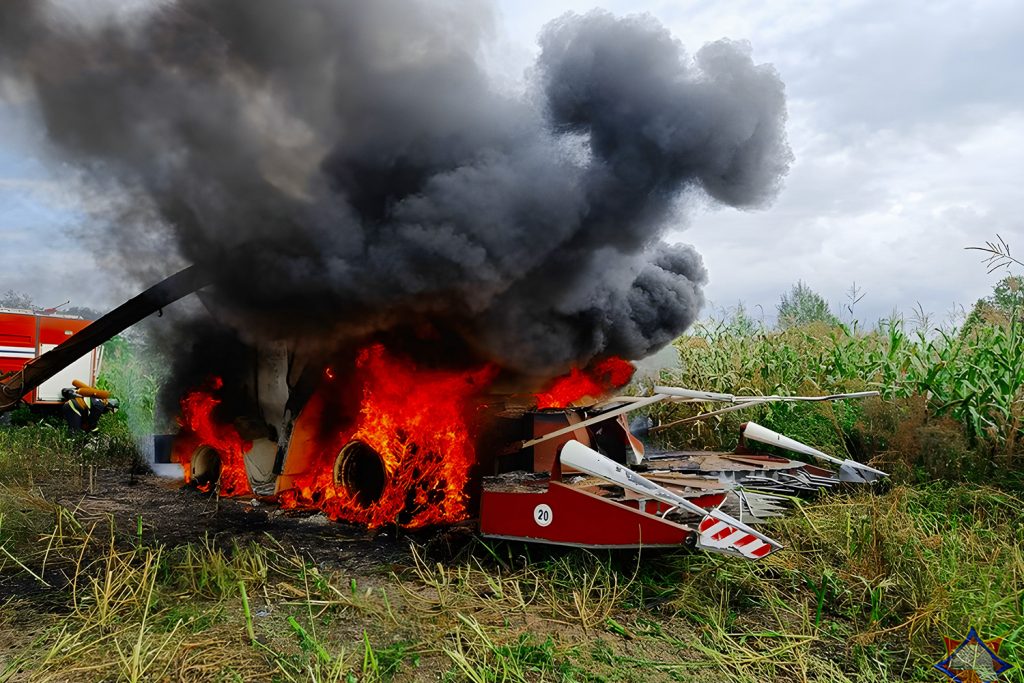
x,y
174,514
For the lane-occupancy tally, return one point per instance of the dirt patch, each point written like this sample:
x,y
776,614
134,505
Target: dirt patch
x,y
173,513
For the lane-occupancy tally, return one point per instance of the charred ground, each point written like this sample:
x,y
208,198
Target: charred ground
x,y
174,514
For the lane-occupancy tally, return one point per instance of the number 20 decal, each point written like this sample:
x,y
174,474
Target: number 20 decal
x,y
542,515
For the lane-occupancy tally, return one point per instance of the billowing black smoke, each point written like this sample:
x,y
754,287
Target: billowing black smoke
x,y
350,168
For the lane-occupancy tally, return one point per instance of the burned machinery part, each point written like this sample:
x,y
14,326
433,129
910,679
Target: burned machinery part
x,y
49,364
205,466
602,496
360,471
568,476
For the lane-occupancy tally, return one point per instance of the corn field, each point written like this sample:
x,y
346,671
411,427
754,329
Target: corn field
x,y
951,403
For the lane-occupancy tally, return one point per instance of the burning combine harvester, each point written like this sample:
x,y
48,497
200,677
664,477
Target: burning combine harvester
x,y
394,443
360,182
352,180
377,439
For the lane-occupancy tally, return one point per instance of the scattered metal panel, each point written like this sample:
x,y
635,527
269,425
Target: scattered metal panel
x,y
758,460
677,479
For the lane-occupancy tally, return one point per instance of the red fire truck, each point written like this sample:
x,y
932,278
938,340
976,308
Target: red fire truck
x,y
25,335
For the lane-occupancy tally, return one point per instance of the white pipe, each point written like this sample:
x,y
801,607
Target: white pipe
x,y
756,432
694,394
850,470
830,397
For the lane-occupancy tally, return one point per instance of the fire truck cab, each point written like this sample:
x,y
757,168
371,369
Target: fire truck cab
x,y
26,335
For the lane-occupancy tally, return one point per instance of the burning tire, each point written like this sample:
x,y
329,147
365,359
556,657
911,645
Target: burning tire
x,y
205,466
359,470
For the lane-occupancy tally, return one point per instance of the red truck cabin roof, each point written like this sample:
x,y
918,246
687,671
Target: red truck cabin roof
x,y
26,334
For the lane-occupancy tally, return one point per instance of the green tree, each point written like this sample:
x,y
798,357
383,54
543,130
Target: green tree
x,y
1006,303
13,299
1008,294
802,305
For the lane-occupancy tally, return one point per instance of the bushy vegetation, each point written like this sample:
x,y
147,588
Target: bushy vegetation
x,y
37,443
133,373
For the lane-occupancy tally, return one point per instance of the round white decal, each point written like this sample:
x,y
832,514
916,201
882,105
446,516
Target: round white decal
x,y
542,514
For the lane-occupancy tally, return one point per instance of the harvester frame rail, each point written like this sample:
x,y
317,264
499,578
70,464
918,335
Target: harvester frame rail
x,y
741,402
676,394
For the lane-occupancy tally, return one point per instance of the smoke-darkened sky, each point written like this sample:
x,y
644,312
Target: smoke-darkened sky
x,y
905,123
349,169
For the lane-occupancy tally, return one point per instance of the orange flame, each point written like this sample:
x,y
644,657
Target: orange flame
x,y
595,381
197,419
421,422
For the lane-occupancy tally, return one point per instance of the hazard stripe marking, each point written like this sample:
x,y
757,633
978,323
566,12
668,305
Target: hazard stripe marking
x,y
731,539
715,533
722,534
745,540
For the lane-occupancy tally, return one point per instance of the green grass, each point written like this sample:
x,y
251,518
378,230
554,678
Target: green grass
x,y
46,448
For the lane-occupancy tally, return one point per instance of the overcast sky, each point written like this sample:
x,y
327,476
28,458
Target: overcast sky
x,y
906,121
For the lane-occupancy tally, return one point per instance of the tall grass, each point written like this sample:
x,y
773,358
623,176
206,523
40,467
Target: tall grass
x,y
865,590
134,375
44,448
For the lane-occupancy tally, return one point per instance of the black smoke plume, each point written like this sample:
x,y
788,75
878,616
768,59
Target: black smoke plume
x,y
351,169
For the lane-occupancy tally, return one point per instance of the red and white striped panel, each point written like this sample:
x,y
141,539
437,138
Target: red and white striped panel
x,y
716,534
26,352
